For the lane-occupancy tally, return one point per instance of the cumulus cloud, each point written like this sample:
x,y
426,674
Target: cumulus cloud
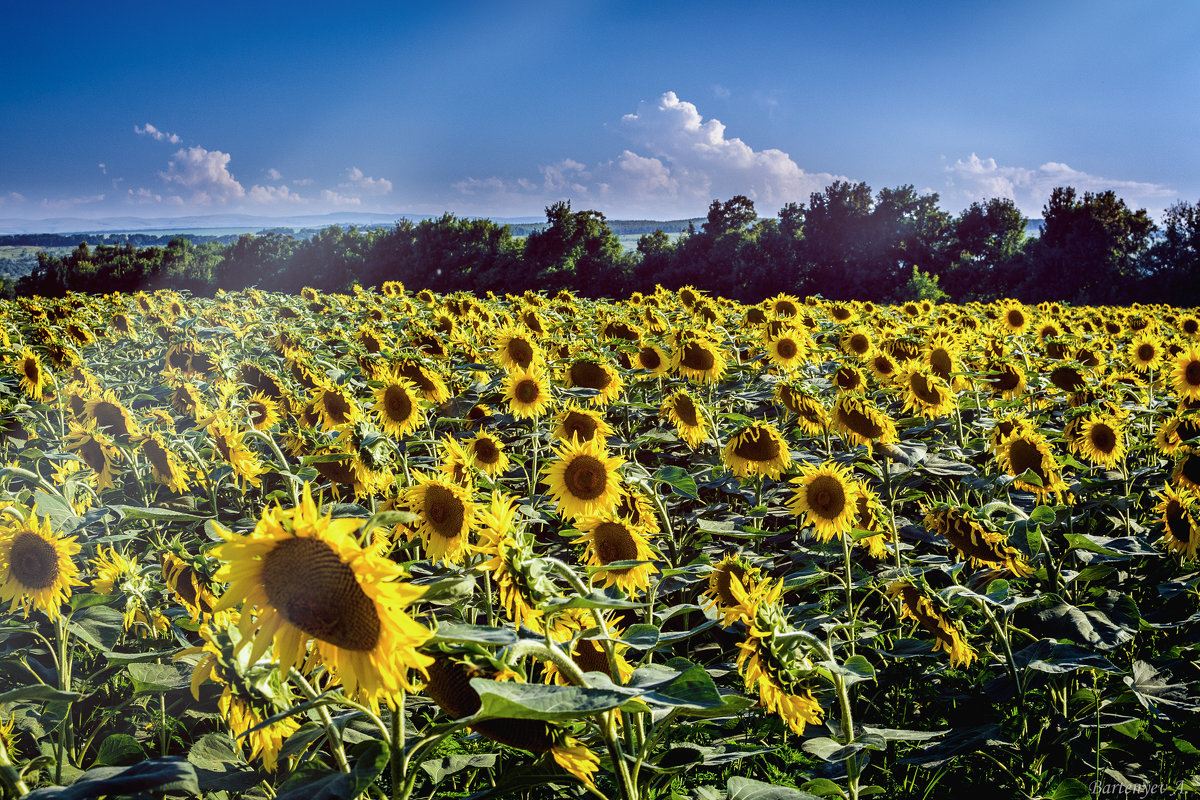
x,y
678,164
206,174
156,134
978,178
273,195
274,174
302,182
12,197
338,199
143,195
357,181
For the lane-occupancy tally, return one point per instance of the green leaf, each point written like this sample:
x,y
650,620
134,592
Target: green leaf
x,y
156,514
153,776
680,481
749,789
477,634
99,626
78,602
823,787
158,677
450,590
641,637
370,760
899,735
388,519
439,768
37,692
1184,746
1071,789
119,749
549,703
215,752
1108,623
1042,515
54,507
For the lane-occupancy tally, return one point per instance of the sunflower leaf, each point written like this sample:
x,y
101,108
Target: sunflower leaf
x,y
548,703
155,514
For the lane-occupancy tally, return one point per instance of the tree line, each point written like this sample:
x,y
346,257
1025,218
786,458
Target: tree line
x,y
845,243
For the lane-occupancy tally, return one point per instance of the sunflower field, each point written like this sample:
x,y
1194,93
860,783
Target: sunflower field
x,y
398,544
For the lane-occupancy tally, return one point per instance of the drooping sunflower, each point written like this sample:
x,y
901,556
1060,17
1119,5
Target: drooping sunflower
x,y
719,592
593,372
398,406
527,392
585,425
583,479
849,378
975,539
859,421
1025,451
303,580
826,496
872,517
446,516
925,393
811,416
635,508
653,359
757,449
1185,375
949,635
165,466
609,539
1180,514
1102,440
509,548
229,442
882,365
192,588
699,360
689,418
1005,379
34,378
335,407
96,450
1186,471
428,382
36,566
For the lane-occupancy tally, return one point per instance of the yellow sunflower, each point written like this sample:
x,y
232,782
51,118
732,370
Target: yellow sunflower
x,y
34,378
975,540
787,350
609,539
949,634
653,359
574,422
757,449
189,586
859,421
720,586
1145,353
689,418
925,393
303,580
811,416
1026,452
699,360
1185,376
446,516
583,479
229,443
96,450
262,412
516,350
36,568
1005,379
1102,440
488,454
165,466
398,406
826,496
527,392
335,407
591,372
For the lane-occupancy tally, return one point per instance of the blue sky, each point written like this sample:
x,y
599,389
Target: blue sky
x,y
646,110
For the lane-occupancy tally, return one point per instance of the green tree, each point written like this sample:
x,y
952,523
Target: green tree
x,y
576,250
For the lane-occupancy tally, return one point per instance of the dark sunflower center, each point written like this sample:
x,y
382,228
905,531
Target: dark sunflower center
x,y
336,407
685,409
257,412
1191,326
859,422
649,358
318,592
590,656
590,375
1177,522
859,343
756,444
826,497
786,308
486,451
786,348
33,373
415,374
1191,373
941,363
33,562
92,453
1016,319
1103,438
397,405
1067,378
846,378
1145,353
1025,457
444,512
527,391
613,542
1006,380
585,477
925,391
521,352
110,417
883,365
698,357
581,425
724,582
158,457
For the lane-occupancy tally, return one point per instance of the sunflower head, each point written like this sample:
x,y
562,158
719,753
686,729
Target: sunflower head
x,y
931,614
527,392
757,449
446,516
827,498
975,539
37,570
578,423
613,540
859,421
688,417
583,479
1185,374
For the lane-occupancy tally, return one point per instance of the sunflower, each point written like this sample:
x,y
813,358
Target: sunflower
x,y
36,568
1013,318
583,479
303,579
811,416
636,508
164,465
882,365
527,392
849,379
1185,376
925,393
949,634
975,540
859,421
720,592
1005,379
590,372
609,539
189,586
652,359
699,360
786,351
757,449
428,382
689,418
1187,469
509,548
487,453
871,517
335,407
578,423
590,656
34,378
516,350
398,406
1180,514
1026,452
856,342
457,462
1102,440
229,442
826,496
446,516
262,412
96,450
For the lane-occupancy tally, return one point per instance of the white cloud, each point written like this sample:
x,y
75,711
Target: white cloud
x,y
273,195
143,195
982,178
12,197
103,169
720,92
302,182
156,134
69,202
680,162
357,181
338,199
274,174
206,174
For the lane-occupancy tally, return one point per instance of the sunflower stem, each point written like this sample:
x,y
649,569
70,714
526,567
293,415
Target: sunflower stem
x,y
10,776
331,732
845,537
397,762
